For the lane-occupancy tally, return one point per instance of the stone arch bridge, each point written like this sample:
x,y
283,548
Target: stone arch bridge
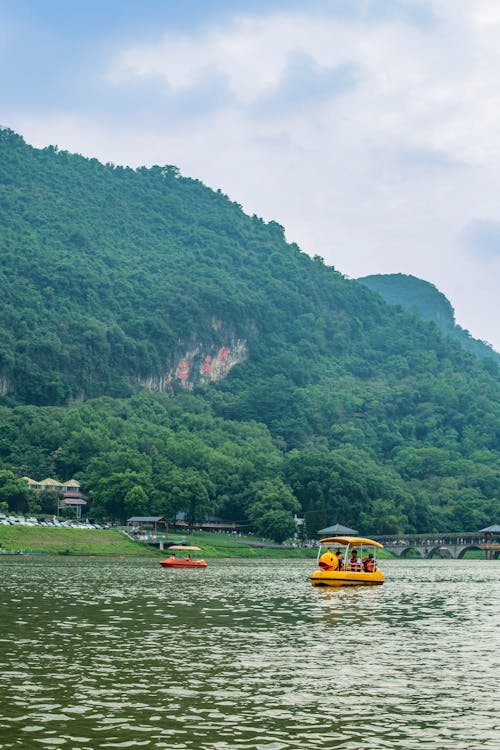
x,y
441,545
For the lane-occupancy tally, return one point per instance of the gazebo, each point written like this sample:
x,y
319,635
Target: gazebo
x,y
492,541
338,530
72,500
153,521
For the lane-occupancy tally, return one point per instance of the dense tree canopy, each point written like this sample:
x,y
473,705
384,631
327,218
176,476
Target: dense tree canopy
x,y
343,408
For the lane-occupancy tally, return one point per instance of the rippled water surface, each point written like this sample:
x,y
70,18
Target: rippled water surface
x,y
125,654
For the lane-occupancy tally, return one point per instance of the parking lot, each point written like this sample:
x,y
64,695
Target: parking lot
x,y
10,520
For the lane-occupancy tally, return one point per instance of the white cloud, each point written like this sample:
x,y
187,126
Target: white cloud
x,y
434,88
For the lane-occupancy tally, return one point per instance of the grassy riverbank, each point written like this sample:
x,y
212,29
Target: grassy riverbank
x,y
60,541
70,541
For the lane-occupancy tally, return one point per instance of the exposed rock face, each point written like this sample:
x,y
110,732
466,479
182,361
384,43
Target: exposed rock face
x,y
5,386
200,364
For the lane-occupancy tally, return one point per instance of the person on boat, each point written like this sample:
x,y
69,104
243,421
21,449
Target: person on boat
x,y
355,561
172,556
369,564
340,559
328,560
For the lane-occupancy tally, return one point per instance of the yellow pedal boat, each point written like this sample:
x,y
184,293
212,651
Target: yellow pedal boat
x,y
352,562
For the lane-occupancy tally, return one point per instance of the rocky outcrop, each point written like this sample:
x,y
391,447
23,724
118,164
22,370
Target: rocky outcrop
x,y
198,365
5,386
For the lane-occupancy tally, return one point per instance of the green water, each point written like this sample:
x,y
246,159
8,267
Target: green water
x,y
247,655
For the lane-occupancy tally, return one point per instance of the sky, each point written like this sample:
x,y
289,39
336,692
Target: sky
x,y
368,128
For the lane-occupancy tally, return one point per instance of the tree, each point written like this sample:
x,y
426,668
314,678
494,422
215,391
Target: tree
x,y
136,502
276,524
111,492
192,493
16,493
271,509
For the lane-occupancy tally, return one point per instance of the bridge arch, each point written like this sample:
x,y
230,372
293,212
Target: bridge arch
x,y
466,549
438,552
406,552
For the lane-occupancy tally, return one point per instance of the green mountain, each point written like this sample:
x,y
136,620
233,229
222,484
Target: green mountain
x,y
174,354
422,298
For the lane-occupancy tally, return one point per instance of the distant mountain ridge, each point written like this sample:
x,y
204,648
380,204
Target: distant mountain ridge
x,y
422,297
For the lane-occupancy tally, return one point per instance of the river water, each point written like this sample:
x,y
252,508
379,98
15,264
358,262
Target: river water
x,y
247,655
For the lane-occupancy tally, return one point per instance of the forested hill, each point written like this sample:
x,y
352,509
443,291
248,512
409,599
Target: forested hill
x,y
423,298
174,354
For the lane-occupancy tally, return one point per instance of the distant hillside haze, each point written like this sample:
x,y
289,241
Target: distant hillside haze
x,y
173,354
423,298
413,294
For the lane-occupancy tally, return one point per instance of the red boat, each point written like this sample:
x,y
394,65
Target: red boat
x,y
182,562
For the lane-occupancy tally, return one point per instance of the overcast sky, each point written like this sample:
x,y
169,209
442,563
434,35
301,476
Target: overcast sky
x,y
369,128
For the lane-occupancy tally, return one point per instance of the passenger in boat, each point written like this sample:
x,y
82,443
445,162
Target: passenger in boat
x,y
355,561
369,564
340,559
172,556
328,560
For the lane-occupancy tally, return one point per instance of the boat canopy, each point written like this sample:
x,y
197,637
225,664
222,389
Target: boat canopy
x,y
352,540
184,547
